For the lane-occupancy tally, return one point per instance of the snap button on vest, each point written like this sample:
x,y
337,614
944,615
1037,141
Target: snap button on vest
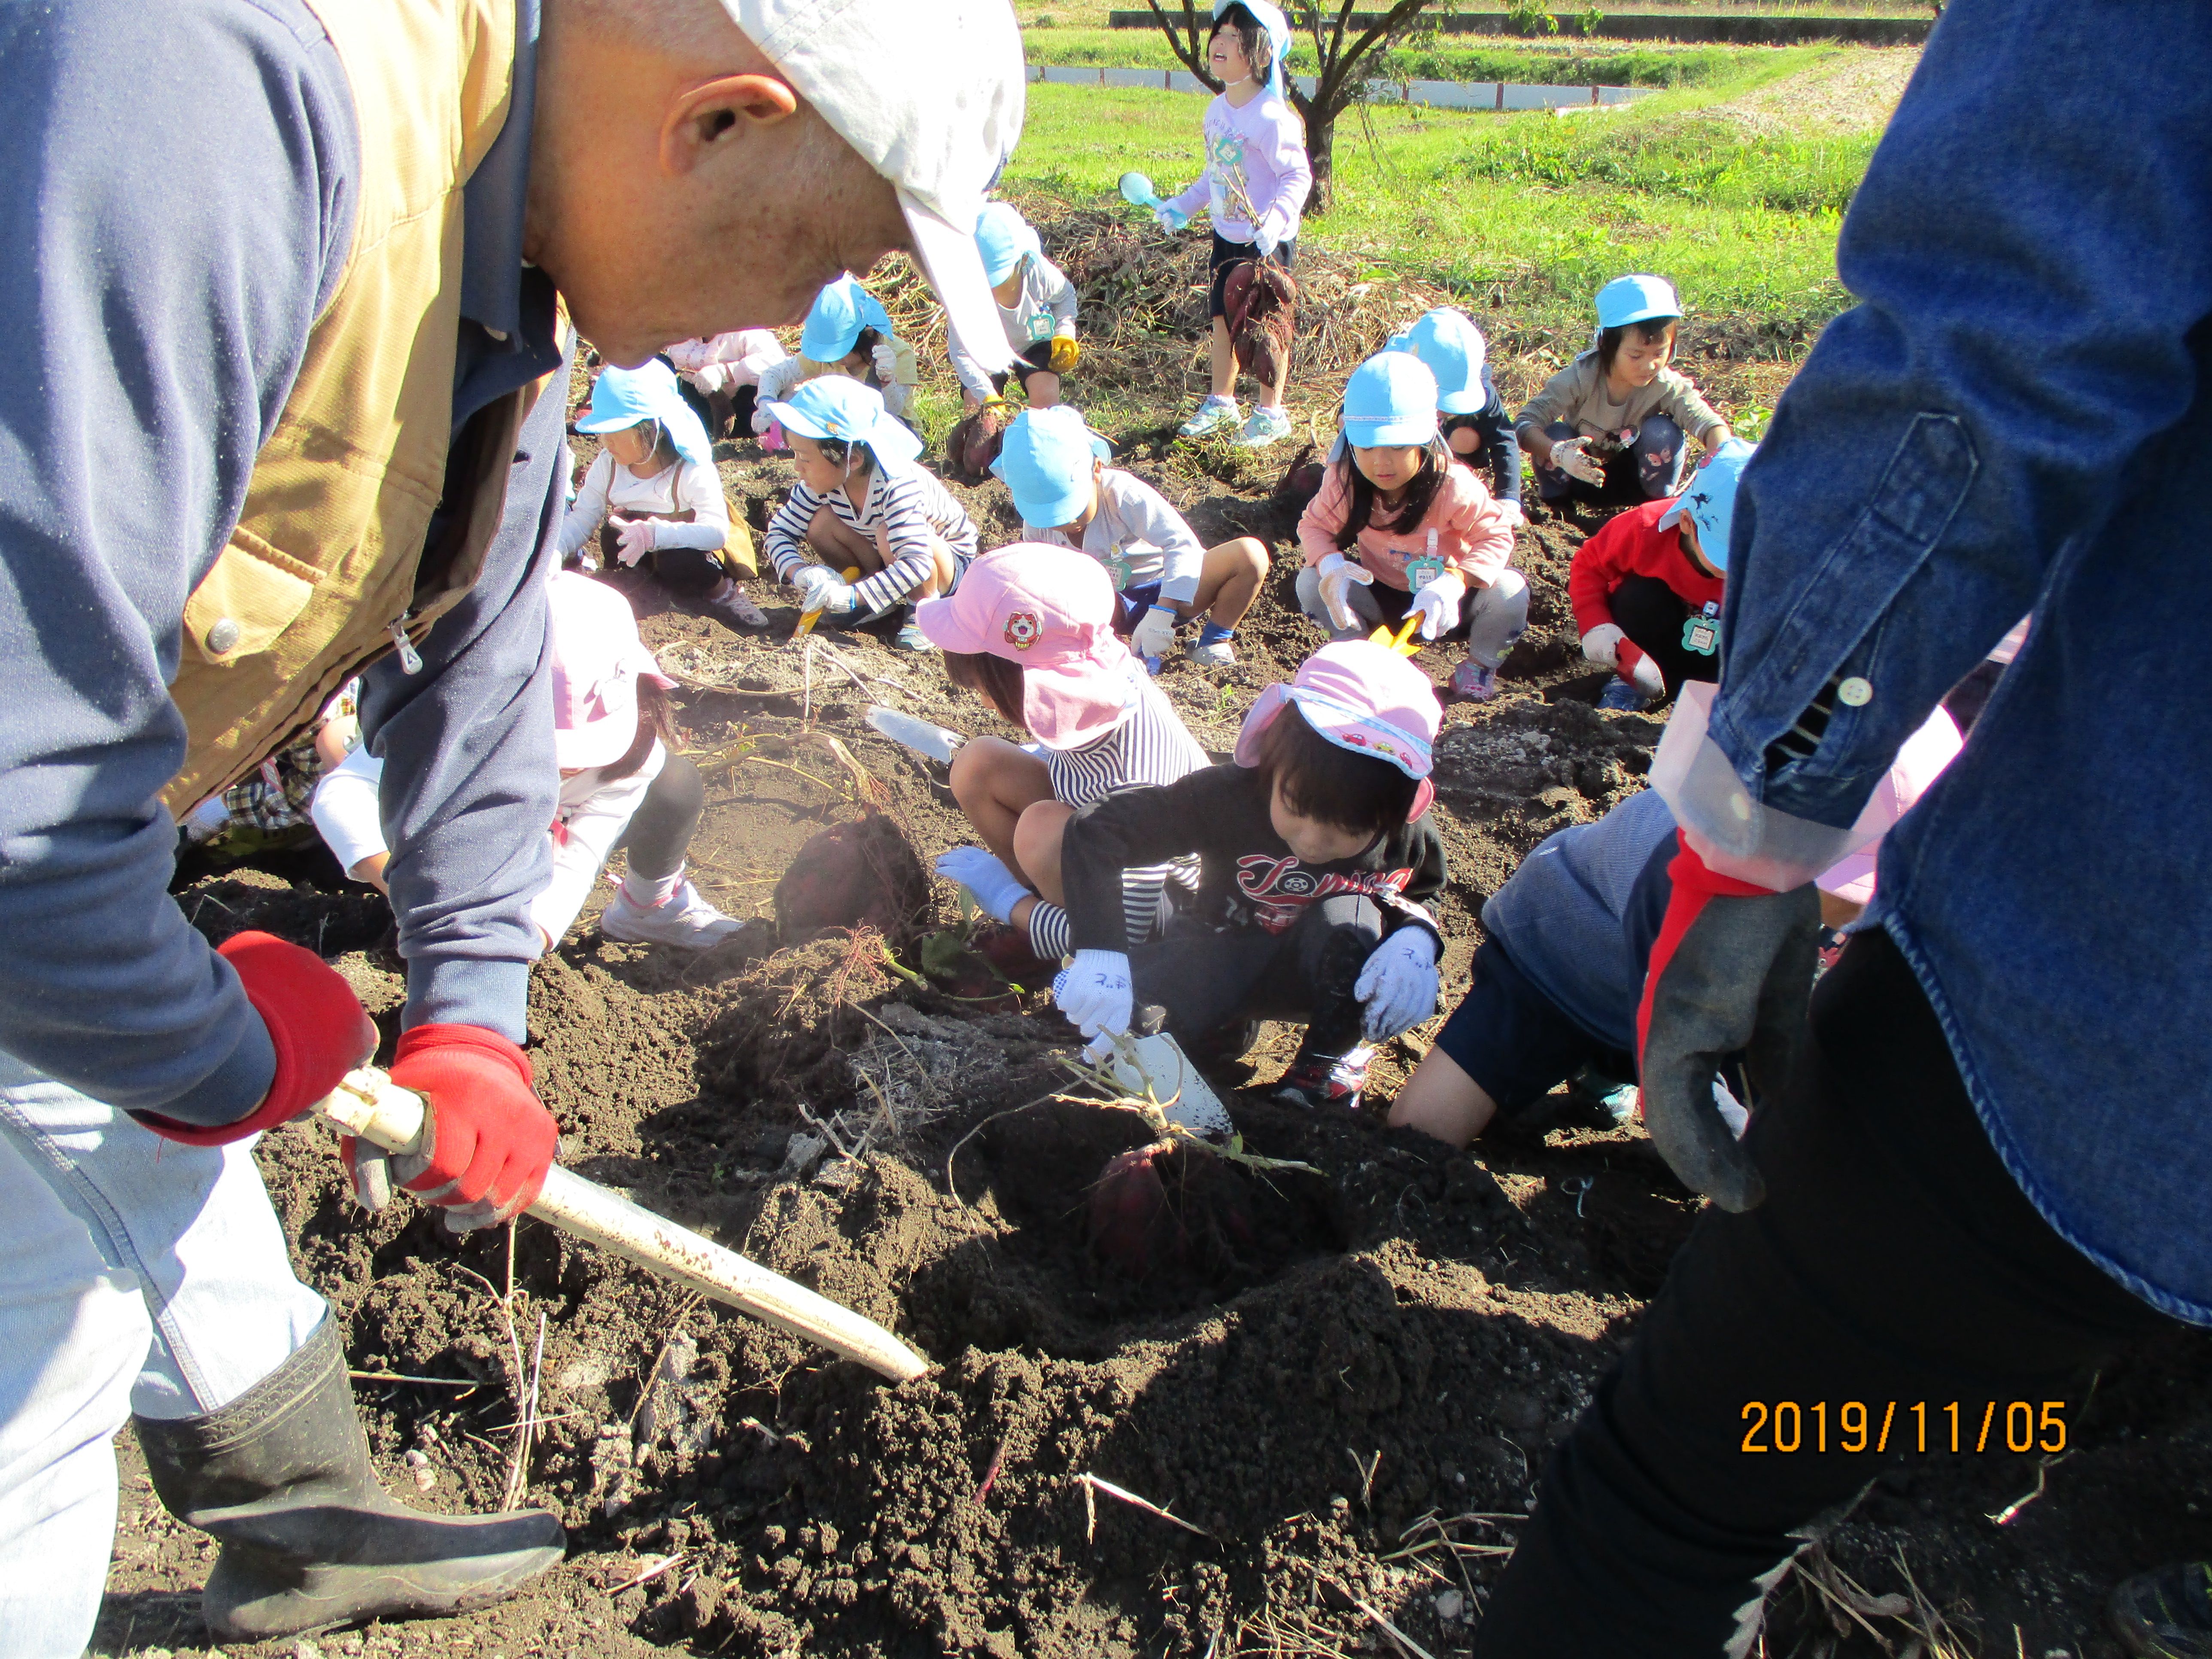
x,y
223,635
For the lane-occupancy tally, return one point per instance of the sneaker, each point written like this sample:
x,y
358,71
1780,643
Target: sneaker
x,y
1325,1079
684,918
1619,694
1618,1100
1474,682
1212,415
2167,1614
1267,426
911,638
1217,653
734,611
1224,1043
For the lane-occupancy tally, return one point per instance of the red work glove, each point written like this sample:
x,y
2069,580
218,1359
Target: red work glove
x,y
488,1140
317,1025
1731,971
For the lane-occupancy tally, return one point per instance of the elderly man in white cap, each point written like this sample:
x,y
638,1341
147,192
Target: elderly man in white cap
x,y
299,418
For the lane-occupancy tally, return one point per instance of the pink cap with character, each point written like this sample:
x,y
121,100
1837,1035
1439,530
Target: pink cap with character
x,y
598,661
1051,610
1361,696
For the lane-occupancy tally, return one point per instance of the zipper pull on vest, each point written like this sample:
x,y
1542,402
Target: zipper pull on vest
x,y
410,659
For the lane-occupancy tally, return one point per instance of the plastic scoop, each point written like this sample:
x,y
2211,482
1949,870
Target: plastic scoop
x,y
808,618
1402,642
1137,190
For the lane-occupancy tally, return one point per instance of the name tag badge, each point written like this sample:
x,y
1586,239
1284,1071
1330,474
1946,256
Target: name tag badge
x,y
1421,572
1701,634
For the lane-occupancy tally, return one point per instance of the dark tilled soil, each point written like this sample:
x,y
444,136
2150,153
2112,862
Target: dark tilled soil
x,y
1332,1372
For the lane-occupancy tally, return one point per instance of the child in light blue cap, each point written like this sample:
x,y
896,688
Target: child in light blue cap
x,y
655,486
1054,467
1618,414
1477,428
848,332
1036,308
862,503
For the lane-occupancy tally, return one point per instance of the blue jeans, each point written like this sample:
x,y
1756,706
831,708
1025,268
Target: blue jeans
x,y
137,1276
1656,457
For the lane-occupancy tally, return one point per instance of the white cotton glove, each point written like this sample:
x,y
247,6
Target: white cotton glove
x,y
1438,603
1095,993
1511,513
1398,986
763,417
1601,645
1337,575
820,588
634,539
1154,634
1170,218
1648,678
1267,236
712,376
1570,456
885,358
996,888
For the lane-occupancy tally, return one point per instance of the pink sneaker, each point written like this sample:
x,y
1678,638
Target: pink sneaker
x,y
1472,682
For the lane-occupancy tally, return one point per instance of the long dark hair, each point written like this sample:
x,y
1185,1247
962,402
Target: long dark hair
x,y
1420,493
998,682
656,718
1258,50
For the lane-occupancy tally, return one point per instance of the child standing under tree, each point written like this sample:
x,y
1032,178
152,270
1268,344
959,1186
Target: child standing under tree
x,y
1055,469
1476,427
1399,526
1036,308
848,332
1255,186
1316,856
1646,589
861,502
1617,415
1031,629
655,486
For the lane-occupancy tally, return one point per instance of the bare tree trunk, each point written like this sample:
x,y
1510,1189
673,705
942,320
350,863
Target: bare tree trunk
x,y
1320,151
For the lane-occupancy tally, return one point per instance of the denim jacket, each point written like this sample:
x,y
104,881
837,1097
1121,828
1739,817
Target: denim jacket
x,y
2013,418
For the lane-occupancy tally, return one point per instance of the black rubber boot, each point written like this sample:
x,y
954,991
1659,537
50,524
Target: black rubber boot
x,y
310,1539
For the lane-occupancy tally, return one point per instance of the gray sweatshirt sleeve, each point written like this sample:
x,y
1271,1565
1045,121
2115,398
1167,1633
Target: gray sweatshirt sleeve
x,y
155,333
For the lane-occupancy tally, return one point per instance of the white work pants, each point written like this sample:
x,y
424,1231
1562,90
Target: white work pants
x,y
136,1275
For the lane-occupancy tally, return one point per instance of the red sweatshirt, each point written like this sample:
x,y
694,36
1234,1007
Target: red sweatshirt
x,y
1633,545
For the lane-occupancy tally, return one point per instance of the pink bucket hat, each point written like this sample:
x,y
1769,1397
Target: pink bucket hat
x,y
1051,610
1361,696
597,659
1923,757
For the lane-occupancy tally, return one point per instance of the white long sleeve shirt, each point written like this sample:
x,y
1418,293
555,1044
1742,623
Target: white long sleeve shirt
x,y
1044,307
1138,537
687,486
1256,163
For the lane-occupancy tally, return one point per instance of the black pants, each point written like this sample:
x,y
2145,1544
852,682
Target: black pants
x,y
1653,614
1893,1261
661,830
1207,978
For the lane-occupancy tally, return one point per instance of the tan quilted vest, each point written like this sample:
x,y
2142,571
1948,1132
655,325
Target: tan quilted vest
x,y
326,554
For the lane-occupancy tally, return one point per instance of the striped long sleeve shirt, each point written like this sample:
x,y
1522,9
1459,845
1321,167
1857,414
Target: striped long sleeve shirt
x,y
911,509
1151,747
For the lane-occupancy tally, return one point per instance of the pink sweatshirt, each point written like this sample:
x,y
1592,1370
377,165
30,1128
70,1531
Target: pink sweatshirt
x,y
1474,536
724,360
1261,150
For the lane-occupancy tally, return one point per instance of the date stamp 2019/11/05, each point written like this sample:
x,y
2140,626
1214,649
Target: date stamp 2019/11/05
x,y
1919,1425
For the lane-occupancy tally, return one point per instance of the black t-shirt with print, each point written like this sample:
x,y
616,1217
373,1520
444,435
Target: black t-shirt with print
x,y
1248,876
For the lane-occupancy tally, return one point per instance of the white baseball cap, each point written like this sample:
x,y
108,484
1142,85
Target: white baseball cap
x,y
930,93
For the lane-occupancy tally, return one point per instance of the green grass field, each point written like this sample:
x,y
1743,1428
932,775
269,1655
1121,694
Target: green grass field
x,y
1448,57
1535,212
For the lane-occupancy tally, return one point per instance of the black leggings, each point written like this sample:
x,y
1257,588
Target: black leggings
x,y
1893,1261
1653,614
1207,978
661,828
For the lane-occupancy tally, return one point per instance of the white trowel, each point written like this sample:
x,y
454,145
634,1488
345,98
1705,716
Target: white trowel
x,y
934,743
1157,1062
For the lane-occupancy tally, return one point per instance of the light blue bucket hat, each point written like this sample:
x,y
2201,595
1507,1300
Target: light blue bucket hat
x,y
1003,239
833,326
839,408
1710,500
1045,456
625,397
1453,347
1627,300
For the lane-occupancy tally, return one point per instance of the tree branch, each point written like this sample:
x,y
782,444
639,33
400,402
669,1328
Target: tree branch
x,y
1338,61
1188,54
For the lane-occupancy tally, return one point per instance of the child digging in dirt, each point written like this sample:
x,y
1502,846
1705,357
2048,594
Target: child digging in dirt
x,y
847,332
1314,856
1031,629
622,786
1469,412
1399,526
1055,469
721,375
1560,970
862,503
654,487
1646,589
1255,185
1618,413
1037,308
